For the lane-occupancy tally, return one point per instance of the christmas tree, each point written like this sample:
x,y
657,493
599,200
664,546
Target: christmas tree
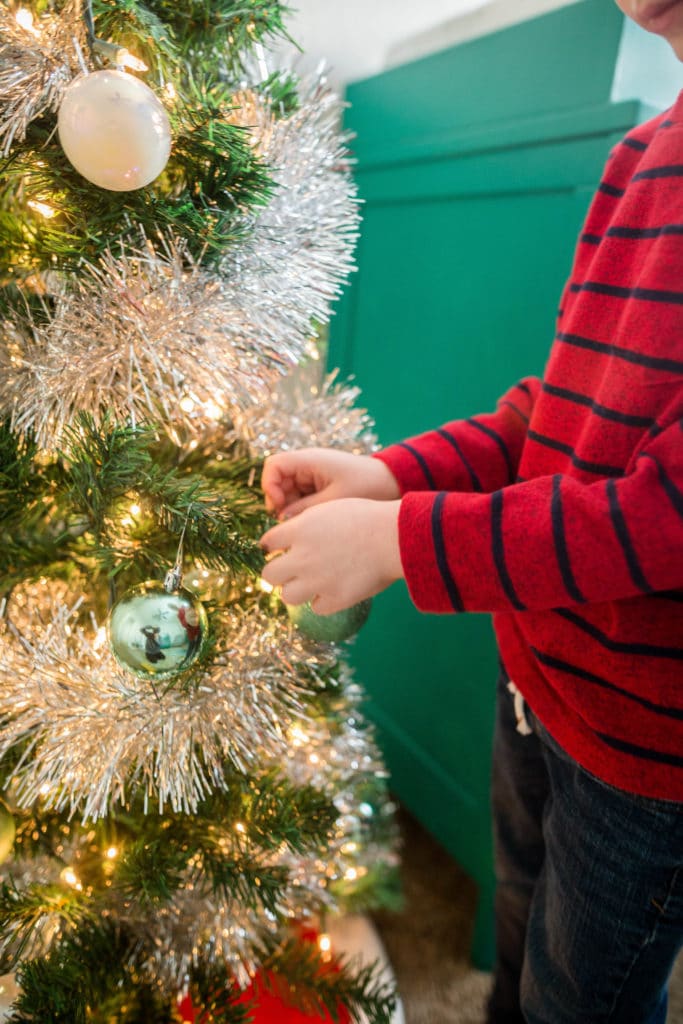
x,y
187,780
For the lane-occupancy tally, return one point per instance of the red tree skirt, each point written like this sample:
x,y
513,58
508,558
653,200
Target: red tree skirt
x,y
269,1008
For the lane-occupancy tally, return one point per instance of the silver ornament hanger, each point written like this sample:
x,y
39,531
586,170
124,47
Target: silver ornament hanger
x,y
174,577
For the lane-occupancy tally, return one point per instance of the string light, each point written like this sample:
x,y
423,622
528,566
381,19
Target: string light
x,y
43,209
297,736
69,876
112,852
125,59
24,19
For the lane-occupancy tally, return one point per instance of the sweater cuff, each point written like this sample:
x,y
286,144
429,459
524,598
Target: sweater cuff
x,y
448,558
403,466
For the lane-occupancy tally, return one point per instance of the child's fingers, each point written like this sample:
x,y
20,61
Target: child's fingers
x,y
292,508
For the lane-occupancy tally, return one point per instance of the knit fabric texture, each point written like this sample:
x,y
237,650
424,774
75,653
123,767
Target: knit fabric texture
x,y
562,512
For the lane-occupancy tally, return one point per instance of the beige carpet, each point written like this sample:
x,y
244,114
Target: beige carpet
x,y
428,941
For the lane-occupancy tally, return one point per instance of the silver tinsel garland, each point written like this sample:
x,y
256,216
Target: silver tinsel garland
x,y
97,732
148,336
305,411
37,63
198,923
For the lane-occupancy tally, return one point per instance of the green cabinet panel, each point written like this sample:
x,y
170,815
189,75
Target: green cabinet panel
x,y
475,166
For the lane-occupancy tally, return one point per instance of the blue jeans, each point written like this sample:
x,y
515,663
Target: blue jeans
x,y
589,899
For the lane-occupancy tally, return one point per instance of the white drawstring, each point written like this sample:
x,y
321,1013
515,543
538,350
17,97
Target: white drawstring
x,y
523,726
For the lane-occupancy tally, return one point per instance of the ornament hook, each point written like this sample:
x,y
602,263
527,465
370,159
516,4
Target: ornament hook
x,y
174,576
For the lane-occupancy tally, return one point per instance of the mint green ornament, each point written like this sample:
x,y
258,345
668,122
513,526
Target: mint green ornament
x,y
156,633
8,831
329,628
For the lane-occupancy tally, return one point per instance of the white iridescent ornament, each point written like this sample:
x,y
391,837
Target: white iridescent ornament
x,y
114,130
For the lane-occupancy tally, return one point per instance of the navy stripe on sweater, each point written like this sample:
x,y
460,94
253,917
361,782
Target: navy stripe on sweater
x,y
634,143
474,479
599,468
616,291
667,171
523,417
624,538
646,753
628,419
499,441
421,462
611,190
499,550
560,541
591,677
673,493
440,553
665,229
619,646
627,354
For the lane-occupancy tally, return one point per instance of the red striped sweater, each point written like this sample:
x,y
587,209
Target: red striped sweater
x,y
562,512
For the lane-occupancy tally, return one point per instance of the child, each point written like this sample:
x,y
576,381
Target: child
x,y
562,513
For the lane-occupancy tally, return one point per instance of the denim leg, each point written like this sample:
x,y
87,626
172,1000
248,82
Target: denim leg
x,y
519,791
606,918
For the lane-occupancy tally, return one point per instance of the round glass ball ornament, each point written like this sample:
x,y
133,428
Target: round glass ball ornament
x,y
329,628
114,130
154,633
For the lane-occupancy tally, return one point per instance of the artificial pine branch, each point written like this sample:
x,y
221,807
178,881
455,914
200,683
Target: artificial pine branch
x,y
214,992
88,220
24,915
140,30
296,972
233,27
97,964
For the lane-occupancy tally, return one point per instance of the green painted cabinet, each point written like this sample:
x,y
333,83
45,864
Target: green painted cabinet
x,y
475,166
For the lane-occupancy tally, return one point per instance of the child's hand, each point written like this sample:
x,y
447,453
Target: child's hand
x,y
336,554
293,481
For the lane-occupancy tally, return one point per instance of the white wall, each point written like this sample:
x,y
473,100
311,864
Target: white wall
x,y
357,38
361,37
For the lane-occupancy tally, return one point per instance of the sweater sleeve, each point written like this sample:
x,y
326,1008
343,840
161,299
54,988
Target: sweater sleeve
x,y
478,454
549,542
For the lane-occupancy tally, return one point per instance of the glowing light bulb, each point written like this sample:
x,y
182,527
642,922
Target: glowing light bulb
x,y
24,19
351,875
324,943
186,404
69,876
297,736
213,411
42,208
126,59
266,587
100,637
240,827
112,852
135,509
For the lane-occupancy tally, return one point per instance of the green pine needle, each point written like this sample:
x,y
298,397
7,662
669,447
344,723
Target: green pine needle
x,y
295,971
